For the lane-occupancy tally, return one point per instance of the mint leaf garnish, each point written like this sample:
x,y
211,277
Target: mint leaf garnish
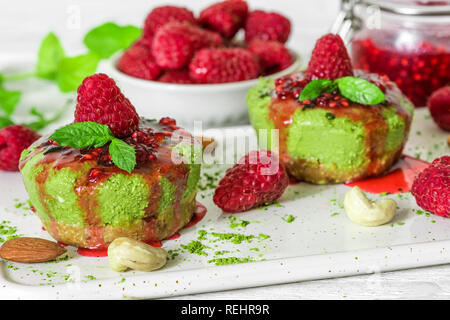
x,y
315,88
83,135
91,134
360,90
353,88
73,70
50,53
122,154
109,38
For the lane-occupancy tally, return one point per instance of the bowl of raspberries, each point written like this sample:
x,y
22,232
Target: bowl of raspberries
x,y
201,67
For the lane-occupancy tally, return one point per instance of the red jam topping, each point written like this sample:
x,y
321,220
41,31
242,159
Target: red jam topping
x,y
290,87
417,71
146,140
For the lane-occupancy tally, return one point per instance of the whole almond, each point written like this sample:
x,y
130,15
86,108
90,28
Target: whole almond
x,y
30,250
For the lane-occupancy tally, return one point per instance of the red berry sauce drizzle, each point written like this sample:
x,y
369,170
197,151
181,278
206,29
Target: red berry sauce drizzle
x,y
418,71
397,181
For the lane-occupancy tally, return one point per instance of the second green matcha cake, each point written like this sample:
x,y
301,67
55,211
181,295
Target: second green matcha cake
x,y
331,139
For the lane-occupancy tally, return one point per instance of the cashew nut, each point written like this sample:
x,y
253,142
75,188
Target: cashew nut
x,y
367,213
125,253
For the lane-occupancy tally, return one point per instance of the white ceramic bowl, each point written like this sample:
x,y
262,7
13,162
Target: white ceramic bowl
x,y
213,104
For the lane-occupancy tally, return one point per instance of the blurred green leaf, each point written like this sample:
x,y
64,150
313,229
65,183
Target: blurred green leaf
x,y
109,38
72,70
9,100
49,56
5,121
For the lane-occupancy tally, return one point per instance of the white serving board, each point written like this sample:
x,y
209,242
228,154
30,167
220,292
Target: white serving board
x,y
320,243
317,244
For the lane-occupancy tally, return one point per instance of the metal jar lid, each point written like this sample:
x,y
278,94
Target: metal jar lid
x,y
413,8
348,20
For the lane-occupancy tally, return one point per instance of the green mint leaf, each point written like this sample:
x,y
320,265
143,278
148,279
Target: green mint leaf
x,y
83,135
5,121
360,90
50,53
122,155
9,100
72,71
315,88
109,38
2,79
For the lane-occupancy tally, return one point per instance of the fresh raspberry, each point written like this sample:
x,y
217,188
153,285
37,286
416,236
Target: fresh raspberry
x,y
138,62
329,59
160,16
175,44
431,187
267,26
223,65
13,140
273,56
143,41
225,17
177,76
439,106
256,179
100,100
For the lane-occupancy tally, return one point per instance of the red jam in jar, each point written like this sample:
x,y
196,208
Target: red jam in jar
x,y
418,71
407,41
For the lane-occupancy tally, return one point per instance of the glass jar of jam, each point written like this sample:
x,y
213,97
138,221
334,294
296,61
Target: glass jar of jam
x,y
407,40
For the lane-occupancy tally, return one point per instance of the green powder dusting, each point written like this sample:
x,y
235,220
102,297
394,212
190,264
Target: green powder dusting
x,y
195,247
202,234
334,214
263,236
266,205
209,181
221,252
198,248
288,218
7,232
64,258
173,253
237,223
229,260
235,238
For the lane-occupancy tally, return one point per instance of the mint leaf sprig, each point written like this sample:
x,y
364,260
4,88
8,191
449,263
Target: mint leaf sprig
x,y
91,134
355,89
69,71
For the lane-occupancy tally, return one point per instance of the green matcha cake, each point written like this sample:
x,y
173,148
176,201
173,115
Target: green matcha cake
x,y
84,200
330,139
111,173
